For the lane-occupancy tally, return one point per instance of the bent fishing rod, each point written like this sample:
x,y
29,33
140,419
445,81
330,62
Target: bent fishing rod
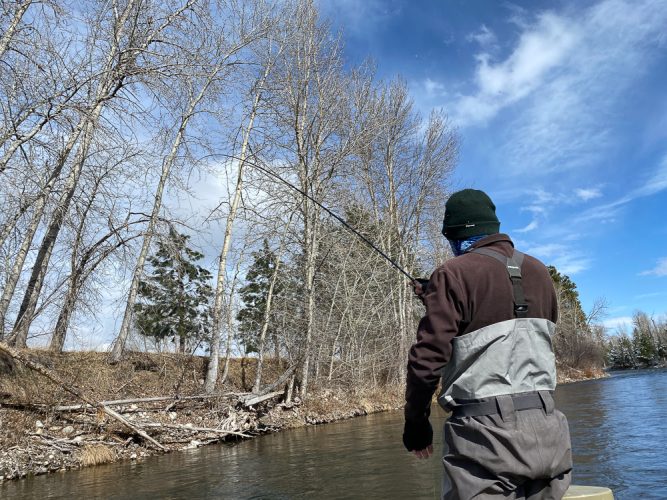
x,y
274,175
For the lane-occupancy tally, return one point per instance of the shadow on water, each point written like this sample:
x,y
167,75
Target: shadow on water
x,y
617,428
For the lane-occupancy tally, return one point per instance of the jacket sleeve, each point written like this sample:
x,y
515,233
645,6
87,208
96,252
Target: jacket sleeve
x,y
433,348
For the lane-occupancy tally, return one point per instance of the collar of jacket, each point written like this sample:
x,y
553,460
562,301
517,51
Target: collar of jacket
x,y
492,239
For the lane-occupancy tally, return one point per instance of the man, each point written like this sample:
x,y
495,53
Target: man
x,y
490,314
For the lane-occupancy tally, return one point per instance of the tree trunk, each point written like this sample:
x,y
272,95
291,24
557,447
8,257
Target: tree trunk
x,y
11,29
214,359
40,206
230,322
81,271
28,305
106,89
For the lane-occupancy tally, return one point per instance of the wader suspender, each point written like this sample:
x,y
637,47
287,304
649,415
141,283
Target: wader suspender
x,y
513,265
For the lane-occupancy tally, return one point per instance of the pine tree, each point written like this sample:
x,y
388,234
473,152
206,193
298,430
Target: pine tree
x,y
621,352
174,299
254,295
645,349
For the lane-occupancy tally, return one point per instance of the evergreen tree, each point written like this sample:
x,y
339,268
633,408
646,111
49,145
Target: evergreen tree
x,y
254,295
621,352
645,349
174,299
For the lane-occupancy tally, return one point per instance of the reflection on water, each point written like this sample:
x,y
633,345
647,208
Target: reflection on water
x,y
617,427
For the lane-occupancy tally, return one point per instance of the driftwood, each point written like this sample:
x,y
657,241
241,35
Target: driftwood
x,y
281,380
195,429
53,377
253,399
118,402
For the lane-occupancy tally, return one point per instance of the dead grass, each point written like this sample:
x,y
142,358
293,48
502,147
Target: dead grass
x,y
96,454
138,375
569,374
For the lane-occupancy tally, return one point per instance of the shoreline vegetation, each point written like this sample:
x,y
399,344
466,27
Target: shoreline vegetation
x,y
44,428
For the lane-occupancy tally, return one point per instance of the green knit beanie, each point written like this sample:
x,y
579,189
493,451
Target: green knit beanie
x,y
468,213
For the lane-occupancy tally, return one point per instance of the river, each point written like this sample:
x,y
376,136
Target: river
x,y
619,439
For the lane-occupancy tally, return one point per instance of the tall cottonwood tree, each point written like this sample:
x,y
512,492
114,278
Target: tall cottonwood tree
x,y
266,53
129,32
403,170
223,55
312,109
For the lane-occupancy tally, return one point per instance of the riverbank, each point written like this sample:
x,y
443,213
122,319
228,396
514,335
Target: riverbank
x,y
45,429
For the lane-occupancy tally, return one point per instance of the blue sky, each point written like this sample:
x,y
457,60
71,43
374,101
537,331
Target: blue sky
x,y
561,107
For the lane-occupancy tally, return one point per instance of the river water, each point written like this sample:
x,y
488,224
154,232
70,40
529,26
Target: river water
x,y
619,438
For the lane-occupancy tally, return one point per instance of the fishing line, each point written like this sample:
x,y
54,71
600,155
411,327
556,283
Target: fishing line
x,y
270,173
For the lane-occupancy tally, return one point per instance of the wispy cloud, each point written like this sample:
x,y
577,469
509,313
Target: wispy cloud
x,y
652,184
563,257
484,37
659,270
433,88
587,194
620,323
530,227
539,50
557,82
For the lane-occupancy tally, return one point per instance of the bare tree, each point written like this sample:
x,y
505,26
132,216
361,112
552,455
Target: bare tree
x,y
222,59
130,35
312,109
273,47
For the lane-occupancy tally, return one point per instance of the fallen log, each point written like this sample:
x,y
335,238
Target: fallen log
x,y
194,429
119,402
281,380
253,399
53,377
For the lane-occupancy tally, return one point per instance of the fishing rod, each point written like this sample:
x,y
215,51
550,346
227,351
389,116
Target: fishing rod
x,y
271,173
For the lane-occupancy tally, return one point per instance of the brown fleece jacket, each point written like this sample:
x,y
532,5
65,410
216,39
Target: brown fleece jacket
x,y
465,294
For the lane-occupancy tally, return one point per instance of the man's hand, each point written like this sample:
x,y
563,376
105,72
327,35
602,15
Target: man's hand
x,y
418,437
425,453
419,286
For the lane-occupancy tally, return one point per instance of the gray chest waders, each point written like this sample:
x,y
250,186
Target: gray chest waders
x,y
504,367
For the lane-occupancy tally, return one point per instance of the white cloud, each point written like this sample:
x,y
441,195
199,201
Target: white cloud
x,y
568,122
619,323
565,258
659,270
652,184
547,251
484,37
433,88
656,183
587,194
538,51
562,80
530,227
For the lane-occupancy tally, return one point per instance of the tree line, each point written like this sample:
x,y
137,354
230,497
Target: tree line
x,y
644,347
113,110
